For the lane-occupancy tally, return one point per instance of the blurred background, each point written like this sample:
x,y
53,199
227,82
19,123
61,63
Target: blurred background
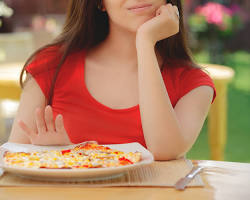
x,y
218,34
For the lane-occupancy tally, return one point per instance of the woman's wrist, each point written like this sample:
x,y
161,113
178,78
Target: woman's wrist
x,y
143,42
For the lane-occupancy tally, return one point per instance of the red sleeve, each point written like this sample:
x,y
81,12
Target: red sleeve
x,y
42,68
193,78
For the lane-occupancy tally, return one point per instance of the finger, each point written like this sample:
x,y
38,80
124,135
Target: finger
x,y
176,8
164,9
49,119
40,123
59,124
158,12
169,5
176,11
171,8
26,129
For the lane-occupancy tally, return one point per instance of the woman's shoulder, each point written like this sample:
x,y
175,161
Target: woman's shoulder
x,y
48,58
190,76
44,60
186,70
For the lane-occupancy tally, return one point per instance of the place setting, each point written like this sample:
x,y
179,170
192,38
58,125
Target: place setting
x,y
89,164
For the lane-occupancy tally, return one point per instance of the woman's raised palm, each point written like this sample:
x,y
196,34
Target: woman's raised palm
x,y
49,131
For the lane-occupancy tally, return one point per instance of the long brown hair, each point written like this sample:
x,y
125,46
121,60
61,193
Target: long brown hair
x,y
87,26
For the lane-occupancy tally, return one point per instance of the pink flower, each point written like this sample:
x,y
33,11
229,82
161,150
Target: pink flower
x,y
213,12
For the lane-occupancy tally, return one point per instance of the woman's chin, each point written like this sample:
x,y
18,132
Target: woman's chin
x,y
135,27
139,24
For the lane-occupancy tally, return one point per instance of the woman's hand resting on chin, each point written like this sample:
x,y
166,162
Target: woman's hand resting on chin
x,y
163,25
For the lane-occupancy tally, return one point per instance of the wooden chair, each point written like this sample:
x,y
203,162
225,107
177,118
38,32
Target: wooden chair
x,y
217,117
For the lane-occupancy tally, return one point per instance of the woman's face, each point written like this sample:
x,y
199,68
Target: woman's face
x,y
121,14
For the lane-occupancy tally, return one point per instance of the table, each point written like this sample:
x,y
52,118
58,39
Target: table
x,y
217,117
223,180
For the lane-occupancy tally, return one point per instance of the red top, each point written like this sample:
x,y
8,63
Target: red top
x,y
87,119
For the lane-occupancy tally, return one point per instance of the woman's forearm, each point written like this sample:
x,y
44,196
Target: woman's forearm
x,y
162,132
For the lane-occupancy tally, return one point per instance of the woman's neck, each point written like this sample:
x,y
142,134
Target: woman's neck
x,y
118,47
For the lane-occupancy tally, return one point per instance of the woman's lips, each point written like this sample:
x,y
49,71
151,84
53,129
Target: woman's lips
x,y
140,8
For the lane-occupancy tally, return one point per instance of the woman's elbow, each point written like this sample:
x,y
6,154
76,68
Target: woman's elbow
x,y
170,154
164,156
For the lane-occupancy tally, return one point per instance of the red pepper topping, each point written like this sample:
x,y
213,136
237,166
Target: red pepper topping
x,y
125,161
66,168
65,151
55,167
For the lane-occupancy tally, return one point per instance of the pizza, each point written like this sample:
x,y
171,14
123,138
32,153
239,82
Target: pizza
x,y
83,156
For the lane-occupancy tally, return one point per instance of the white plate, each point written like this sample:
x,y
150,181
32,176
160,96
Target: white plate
x,y
73,174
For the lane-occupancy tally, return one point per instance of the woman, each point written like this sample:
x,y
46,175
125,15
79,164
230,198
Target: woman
x,y
119,72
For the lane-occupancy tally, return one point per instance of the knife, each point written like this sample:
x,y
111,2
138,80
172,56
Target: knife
x,y
182,183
